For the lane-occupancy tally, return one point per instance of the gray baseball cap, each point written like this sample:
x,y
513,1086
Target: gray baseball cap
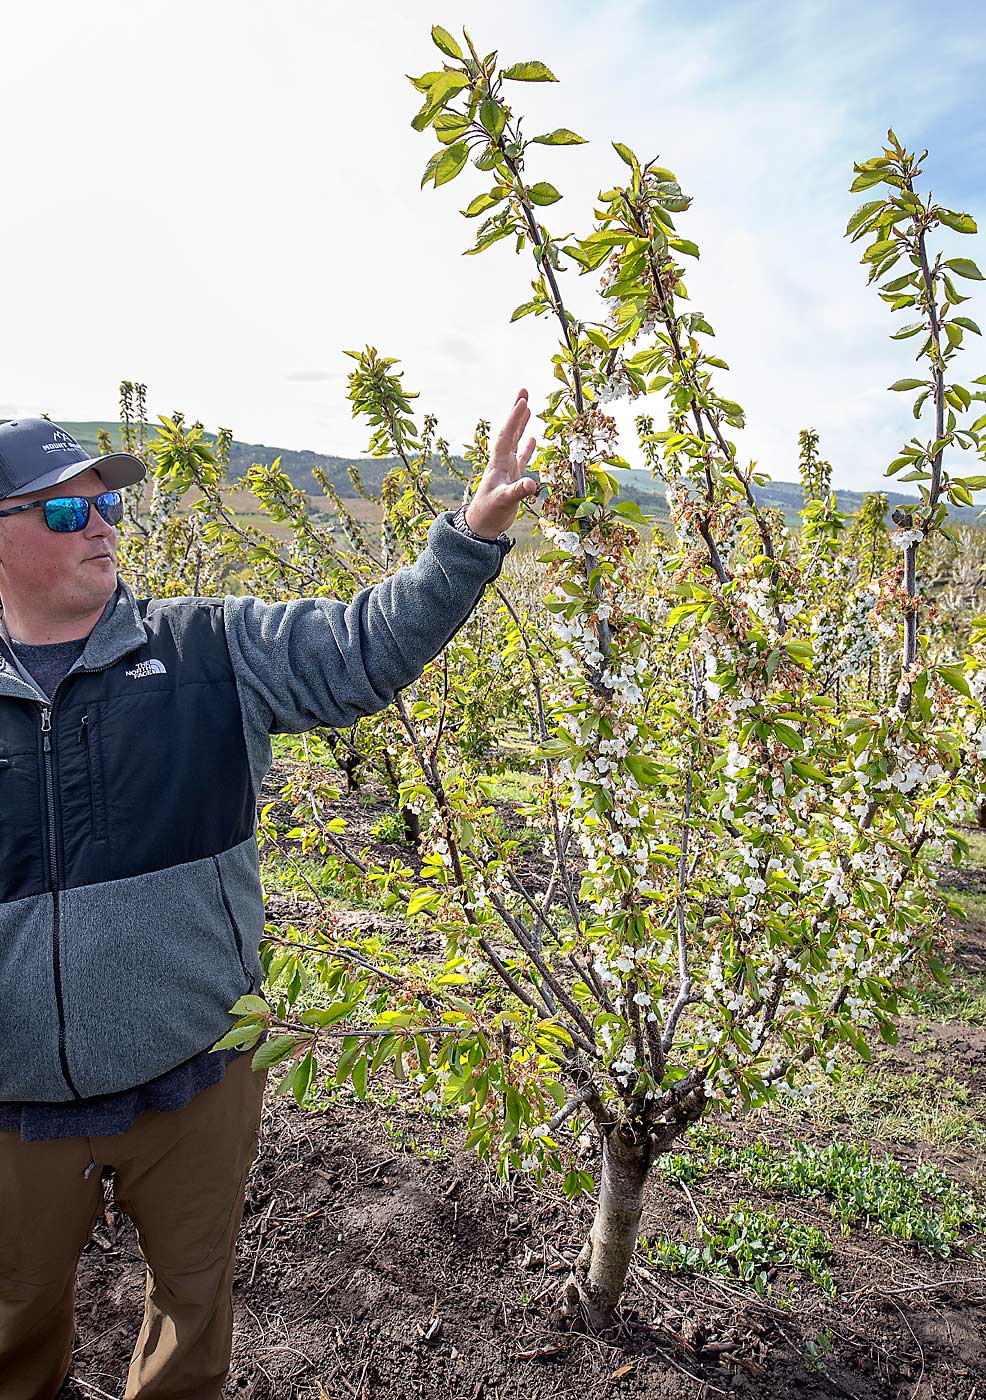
x,y
35,453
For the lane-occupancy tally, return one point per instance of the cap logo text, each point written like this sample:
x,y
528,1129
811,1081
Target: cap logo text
x,y
60,442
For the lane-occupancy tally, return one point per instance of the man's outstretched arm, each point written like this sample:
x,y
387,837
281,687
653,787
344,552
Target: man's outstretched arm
x,y
317,661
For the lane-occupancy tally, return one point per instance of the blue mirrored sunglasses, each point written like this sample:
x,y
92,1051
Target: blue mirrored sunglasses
x,y
66,514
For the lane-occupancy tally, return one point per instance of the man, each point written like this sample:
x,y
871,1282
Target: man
x,y
134,737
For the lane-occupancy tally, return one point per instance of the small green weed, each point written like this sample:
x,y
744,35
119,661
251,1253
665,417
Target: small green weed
x,y
818,1350
405,1141
749,1245
925,1207
391,828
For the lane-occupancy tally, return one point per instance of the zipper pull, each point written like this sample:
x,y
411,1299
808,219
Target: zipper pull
x,y
84,730
46,727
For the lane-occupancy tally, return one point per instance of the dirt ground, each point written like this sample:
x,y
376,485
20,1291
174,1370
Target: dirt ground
x,y
378,1261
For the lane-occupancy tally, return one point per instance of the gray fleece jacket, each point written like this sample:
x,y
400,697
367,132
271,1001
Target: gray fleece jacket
x,y
130,902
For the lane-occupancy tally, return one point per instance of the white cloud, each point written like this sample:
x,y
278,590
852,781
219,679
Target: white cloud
x,y
211,195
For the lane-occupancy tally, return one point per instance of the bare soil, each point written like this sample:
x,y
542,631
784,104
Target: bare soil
x,y
378,1261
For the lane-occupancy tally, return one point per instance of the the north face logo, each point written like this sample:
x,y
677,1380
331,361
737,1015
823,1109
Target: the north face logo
x,y
148,668
60,442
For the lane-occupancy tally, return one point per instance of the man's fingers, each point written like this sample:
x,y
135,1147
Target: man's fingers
x,y
512,429
527,454
509,434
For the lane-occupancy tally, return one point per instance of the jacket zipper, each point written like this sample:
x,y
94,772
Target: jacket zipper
x,y
53,867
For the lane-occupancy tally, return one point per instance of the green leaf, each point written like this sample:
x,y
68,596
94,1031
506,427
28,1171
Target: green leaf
x,y
451,163
302,1077
422,899
250,1005
879,249
481,203
863,213
239,1035
493,117
865,181
966,323
513,1111
626,155
965,267
426,80
684,245
961,223
561,137
952,295
443,40
450,126
440,92
273,1051
543,193
488,239
359,1078
630,510
352,1046
788,736
911,329
901,384
956,678
533,71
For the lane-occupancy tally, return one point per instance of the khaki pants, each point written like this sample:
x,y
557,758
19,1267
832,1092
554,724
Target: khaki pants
x,y
181,1177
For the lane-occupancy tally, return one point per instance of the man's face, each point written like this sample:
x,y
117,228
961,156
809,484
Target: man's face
x,y
74,573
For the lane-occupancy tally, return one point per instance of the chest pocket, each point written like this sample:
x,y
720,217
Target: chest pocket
x,y
153,777
90,737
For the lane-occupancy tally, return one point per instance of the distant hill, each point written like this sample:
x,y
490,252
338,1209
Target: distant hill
x,y
636,485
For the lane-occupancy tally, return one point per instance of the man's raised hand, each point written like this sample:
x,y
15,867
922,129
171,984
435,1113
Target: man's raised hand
x,y
503,485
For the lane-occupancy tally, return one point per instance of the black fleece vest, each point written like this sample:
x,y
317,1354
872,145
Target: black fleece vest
x,y
149,763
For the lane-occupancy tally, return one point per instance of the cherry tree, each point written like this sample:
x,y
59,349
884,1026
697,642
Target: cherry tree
x,y
751,750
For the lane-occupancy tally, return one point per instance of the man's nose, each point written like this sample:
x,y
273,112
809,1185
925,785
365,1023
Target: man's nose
x,y
96,527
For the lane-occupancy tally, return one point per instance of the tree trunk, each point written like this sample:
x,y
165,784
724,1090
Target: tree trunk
x,y
596,1283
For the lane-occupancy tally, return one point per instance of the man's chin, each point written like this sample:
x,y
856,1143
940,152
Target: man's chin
x,y
102,581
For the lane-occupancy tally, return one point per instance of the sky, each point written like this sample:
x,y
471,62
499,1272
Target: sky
x,y
219,198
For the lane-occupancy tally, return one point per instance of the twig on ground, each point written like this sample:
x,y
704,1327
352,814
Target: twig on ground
x,y
93,1389
260,1240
